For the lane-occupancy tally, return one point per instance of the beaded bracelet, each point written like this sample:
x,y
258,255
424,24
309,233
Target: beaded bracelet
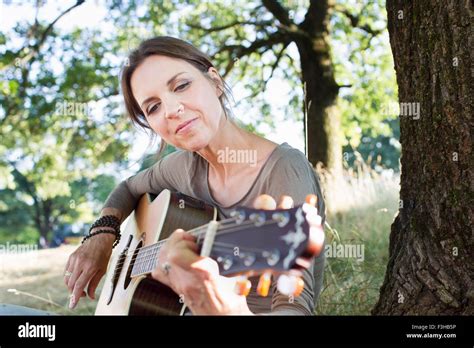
x,y
107,221
117,236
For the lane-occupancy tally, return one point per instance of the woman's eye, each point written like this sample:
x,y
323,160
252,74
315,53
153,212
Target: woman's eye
x,y
153,109
183,86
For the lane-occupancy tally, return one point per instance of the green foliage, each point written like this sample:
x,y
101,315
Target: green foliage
x,y
365,63
55,135
26,235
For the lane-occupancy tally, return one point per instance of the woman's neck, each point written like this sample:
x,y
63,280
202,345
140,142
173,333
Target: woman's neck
x,y
232,150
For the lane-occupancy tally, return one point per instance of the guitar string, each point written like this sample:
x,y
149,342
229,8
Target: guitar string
x,y
221,222
220,246
197,230
147,256
141,272
221,231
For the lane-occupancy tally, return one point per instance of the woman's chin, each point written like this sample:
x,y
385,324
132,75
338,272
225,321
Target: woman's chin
x,y
193,145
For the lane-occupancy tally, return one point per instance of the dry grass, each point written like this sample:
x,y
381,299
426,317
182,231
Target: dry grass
x,y
361,209
36,278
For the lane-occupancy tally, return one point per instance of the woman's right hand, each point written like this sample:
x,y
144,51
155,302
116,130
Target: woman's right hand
x,y
87,265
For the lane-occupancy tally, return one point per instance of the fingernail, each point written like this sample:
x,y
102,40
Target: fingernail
x,y
72,302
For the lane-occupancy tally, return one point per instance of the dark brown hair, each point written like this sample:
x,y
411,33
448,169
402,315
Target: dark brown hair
x,y
170,47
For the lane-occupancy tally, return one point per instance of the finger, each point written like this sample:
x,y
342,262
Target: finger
x,y
183,254
66,269
265,202
179,235
76,273
94,283
286,202
207,265
78,290
187,244
67,277
67,264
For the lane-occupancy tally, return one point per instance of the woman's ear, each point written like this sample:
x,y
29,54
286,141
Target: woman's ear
x,y
214,75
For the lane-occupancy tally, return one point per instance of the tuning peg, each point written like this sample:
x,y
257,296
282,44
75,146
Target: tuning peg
x,y
290,285
238,215
257,218
243,286
311,199
264,284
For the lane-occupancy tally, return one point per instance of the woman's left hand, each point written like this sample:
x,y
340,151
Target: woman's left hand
x,y
196,279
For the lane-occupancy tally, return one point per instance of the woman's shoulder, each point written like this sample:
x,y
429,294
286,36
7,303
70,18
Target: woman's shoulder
x,y
288,156
179,158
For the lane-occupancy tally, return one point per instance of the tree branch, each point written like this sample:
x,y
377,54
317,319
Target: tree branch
x,y
239,51
227,26
36,47
278,11
275,64
355,21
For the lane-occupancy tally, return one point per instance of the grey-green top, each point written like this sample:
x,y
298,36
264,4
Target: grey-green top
x,y
286,172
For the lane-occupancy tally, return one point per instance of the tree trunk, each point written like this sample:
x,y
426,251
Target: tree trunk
x,y
430,269
323,117
43,220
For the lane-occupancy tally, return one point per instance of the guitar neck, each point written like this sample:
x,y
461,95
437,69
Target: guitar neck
x,y
146,258
250,241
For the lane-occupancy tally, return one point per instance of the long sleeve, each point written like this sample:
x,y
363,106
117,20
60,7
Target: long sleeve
x,y
167,173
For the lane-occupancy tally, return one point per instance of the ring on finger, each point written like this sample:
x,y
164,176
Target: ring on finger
x,y
67,274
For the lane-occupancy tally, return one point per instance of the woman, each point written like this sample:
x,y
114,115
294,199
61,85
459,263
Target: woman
x,y
173,89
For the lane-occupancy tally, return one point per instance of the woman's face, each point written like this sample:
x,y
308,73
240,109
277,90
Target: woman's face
x,y
172,92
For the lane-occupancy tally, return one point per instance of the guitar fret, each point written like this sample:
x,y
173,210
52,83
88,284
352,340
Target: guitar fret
x,y
147,267
147,260
153,259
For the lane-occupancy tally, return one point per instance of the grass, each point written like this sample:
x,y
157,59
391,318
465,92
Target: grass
x,y
361,209
35,280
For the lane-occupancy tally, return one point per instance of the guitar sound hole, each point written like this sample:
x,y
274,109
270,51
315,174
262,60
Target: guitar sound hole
x,y
128,277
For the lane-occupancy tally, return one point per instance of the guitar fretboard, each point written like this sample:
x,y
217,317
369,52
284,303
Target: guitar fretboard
x,y
146,258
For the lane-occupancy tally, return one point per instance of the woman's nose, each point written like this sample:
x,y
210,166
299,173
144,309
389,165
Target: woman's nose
x,y
174,110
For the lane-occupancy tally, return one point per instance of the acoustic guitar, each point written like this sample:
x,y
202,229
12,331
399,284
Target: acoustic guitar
x,y
251,242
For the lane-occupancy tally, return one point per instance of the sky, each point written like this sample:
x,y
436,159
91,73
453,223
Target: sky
x,y
92,14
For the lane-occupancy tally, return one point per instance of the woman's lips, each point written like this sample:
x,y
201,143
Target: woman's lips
x,y
185,126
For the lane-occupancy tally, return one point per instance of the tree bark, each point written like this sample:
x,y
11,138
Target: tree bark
x,y
322,114
430,269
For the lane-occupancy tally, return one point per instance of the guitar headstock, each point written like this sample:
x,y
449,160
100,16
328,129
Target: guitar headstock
x,y
277,242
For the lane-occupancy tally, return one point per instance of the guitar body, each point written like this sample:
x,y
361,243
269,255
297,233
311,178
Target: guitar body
x,y
153,220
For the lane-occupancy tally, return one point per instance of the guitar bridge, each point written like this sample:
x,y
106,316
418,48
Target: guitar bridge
x,y
118,268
